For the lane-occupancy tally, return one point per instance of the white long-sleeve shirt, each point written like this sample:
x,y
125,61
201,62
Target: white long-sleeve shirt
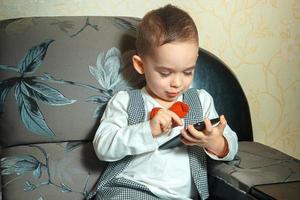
x,y
165,172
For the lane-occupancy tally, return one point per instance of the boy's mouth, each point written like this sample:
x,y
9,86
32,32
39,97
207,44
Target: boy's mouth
x,y
173,94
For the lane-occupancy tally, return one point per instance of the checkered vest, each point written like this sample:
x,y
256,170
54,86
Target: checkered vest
x,y
110,187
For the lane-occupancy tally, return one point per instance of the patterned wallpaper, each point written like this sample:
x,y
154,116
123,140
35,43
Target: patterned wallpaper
x,y
258,39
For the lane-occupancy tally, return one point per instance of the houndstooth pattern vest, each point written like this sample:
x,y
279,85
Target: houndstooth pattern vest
x,y
111,188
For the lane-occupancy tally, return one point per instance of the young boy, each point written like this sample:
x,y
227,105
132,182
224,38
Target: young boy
x,y
167,50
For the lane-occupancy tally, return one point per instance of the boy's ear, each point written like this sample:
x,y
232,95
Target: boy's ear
x,y
138,64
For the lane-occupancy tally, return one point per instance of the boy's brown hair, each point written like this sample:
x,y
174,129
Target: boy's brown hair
x,y
164,25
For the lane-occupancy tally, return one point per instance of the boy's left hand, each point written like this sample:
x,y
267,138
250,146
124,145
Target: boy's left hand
x,y
211,138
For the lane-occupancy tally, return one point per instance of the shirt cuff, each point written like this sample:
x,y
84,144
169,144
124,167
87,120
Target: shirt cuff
x,y
232,149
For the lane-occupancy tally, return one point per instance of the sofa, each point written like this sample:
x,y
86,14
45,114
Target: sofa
x,y
58,73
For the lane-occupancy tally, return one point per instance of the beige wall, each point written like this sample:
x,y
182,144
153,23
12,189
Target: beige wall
x,y
258,39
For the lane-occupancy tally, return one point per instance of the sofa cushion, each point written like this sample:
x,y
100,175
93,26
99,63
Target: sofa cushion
x,y
51,171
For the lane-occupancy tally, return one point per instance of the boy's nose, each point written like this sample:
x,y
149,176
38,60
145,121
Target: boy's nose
x,y
176,81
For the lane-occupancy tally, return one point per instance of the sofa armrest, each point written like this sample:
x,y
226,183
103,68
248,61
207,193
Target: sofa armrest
x,y
254,164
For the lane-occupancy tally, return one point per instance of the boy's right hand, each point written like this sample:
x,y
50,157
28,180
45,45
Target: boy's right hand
x,y
164,121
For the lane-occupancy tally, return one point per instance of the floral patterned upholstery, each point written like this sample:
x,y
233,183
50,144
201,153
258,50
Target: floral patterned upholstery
x,y
50,171
55,68
56,76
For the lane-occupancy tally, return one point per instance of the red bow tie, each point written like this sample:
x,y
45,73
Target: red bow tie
x,y
180,108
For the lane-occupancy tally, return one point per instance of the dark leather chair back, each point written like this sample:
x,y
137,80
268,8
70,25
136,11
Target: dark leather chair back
x,y
215,77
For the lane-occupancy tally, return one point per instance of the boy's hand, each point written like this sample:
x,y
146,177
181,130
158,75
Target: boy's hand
x,y
164,121
211,138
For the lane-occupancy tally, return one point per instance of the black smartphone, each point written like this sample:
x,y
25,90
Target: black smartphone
x,y
176,141
200,126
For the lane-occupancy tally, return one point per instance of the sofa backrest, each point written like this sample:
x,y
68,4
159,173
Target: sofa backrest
x,y
57,74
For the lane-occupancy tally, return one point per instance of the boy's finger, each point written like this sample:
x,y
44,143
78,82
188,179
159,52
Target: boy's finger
x,y
222,123
166,129
198,135
208,125
188,137
186,142
168,126
175,118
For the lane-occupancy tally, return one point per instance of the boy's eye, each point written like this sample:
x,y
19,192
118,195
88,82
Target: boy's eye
x,y
188,73
165,74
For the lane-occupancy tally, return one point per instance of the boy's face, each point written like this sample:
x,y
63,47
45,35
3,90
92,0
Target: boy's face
x,y
169,70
